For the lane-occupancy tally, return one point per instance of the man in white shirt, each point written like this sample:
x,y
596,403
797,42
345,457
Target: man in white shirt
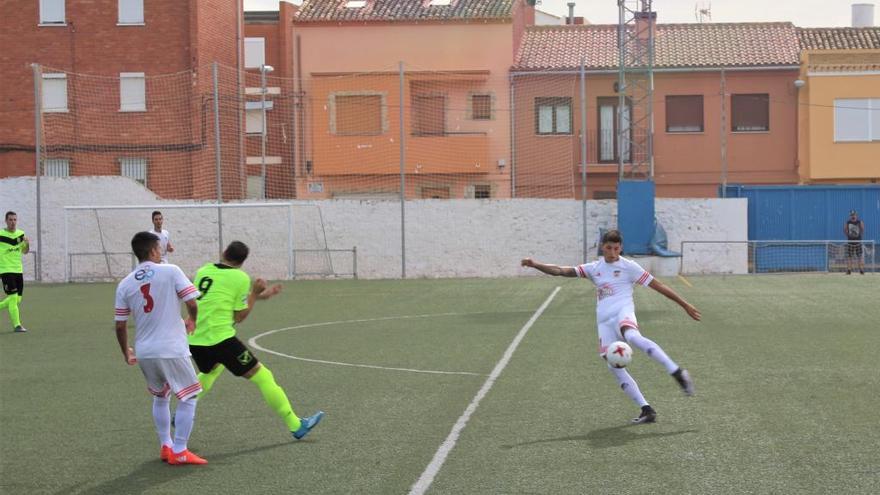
x,y
614,277
152,294
165,246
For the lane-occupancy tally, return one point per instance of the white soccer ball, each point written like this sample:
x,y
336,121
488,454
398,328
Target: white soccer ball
x,y
619,354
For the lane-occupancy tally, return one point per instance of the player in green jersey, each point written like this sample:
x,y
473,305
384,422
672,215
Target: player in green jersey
x,y
13,244
227,297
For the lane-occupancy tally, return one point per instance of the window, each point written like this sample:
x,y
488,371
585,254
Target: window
x,y
51,11
131,11
54,93
482,191
256,187
604,194
254,52
608,129
358,115
481,107
56,167
684,113
553,115
857,119
254,116
750,113
132,92
134,168
429,115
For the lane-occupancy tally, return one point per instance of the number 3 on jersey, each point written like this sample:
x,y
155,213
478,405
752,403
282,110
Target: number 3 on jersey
x,y
205,284
148,299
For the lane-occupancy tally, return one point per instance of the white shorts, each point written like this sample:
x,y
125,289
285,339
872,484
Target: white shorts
x,y
166,375
609,327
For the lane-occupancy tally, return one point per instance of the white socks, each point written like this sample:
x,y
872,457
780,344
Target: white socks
x,y
649,347
628,385
162,419
184,417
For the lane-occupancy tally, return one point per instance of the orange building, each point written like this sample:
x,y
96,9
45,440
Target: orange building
x,y
839,124
753,65
455,55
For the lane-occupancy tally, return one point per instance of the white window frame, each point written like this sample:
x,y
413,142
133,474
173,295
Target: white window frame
x,y
254,117
127,168
55,7
132,92
254,52
56,167
861,113
131,12
48,98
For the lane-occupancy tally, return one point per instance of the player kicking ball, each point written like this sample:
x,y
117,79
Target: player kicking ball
x,y
614,277
227,298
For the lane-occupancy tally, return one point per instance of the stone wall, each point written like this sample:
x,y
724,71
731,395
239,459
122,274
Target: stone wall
x,y
444,238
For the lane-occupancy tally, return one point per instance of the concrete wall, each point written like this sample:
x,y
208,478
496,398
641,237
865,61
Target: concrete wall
x,y
444,238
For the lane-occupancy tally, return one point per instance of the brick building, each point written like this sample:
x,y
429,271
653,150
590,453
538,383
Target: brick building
x,y
123,89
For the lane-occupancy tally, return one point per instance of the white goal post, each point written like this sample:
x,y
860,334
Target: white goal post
x,y
775,256
97,238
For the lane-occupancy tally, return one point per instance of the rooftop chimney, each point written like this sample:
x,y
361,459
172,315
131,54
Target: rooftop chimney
x,y
570,19
862,15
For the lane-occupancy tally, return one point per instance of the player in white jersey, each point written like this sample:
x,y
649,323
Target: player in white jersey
x,y
152,294
614,277
165,246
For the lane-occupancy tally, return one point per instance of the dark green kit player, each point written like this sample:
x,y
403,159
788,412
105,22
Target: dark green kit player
x,y
227,298
13,244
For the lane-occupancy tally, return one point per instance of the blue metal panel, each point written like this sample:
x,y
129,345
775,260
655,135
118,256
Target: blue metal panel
x,y
805,213
635,215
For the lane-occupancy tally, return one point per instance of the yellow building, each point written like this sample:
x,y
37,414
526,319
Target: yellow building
x,y
839,105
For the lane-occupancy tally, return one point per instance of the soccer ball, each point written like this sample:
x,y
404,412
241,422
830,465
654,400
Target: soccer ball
x,y
619,354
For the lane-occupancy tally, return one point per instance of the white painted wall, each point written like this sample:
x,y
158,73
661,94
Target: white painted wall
x,y
444,238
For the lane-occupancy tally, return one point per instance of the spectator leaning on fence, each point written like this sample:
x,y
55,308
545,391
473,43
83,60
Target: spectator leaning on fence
x,y
855,231
13,244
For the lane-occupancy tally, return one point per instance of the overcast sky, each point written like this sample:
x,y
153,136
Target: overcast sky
x,y
805,13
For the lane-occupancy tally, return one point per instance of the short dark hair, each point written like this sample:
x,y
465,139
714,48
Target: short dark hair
x,y
10,212
142,243
157,212
236,252
612,236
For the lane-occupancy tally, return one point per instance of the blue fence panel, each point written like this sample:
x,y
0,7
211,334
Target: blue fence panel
x,y
805,213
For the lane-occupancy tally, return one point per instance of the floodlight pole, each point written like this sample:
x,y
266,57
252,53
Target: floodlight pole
x,y
217,156
402,180
264,69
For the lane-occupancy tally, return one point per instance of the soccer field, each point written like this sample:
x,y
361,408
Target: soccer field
x,y
784,365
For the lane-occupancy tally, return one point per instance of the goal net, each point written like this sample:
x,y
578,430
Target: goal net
x,y
783,256
98,238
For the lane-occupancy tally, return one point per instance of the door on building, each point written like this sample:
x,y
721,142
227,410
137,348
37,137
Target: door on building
x,y
608,127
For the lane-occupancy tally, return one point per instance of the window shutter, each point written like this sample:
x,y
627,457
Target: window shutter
x,y
51,11
254,52
54,92
851,121
132,92
131,11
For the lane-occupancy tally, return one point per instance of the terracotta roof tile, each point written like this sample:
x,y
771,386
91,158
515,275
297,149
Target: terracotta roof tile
x,y
839,38
404,10
748,44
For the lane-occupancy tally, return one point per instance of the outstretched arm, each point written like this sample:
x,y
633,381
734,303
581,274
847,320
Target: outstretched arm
x,y
555,270
668,292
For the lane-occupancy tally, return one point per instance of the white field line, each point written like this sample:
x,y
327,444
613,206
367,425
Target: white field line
x,y
253,343
427,477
